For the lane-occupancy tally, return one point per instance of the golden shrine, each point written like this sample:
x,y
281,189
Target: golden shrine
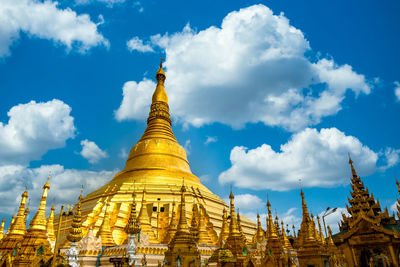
x,y
182,223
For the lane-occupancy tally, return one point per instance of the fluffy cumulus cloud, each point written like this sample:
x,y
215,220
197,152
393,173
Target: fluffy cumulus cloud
x,y
252,68
44,19
397,90
136,44
65,184
318,158
33,129
91,151
247,202
135,103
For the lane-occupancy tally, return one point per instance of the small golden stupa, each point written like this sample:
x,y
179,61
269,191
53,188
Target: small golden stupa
x,y
153,172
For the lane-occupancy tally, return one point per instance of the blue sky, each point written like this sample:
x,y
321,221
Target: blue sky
x,y
281,90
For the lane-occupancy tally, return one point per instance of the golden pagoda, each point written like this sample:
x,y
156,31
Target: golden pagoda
x,y
35,248
50,225
182,250
16,231
75,233
274,248
368,236
235,242
259,235
154,170
310,250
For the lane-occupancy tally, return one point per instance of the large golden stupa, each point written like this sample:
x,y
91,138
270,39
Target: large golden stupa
x,y
155,169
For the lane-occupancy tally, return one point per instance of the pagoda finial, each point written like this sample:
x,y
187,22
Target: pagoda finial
x,y
75,233
271,231
160,95
320,231
304,206
182,225
50,222
19,225
353,171
258,236
39,221
285,241
233,226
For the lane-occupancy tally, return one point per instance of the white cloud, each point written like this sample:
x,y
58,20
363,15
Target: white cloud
x,y
397,90
65,184
47,21
211,139
391,157
91,151
33,129
253,69
319,158
136,44
108,3
136,100
248,202
333,219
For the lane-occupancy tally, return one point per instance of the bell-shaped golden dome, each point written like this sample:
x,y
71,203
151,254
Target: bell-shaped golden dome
x,y
158,148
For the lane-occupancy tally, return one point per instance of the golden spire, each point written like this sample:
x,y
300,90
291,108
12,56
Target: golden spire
x,y
75,232
271,231
203,237
320,232
182,225
285,241
132,227
2,228
233,226
39,221
304,206
307,227
18,226
315,231
258,236
330,239
223,235
12,220
105,229
50,227
353,171
160,95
